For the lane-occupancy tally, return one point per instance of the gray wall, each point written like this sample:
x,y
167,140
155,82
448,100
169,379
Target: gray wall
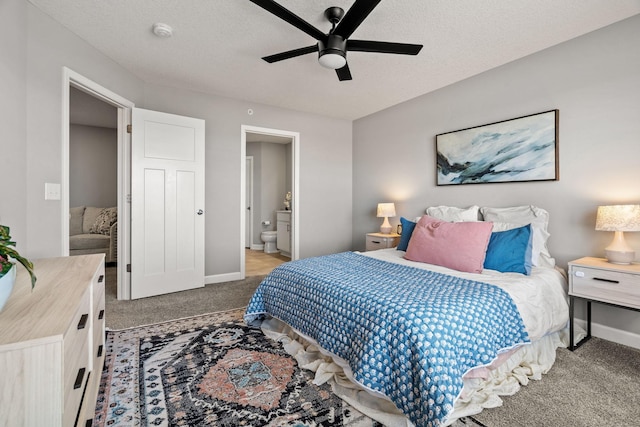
x,y
93,166
35,49
593,80
49,47
325,171
13,104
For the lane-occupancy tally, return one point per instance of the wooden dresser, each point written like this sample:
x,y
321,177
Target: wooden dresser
x,y
52,343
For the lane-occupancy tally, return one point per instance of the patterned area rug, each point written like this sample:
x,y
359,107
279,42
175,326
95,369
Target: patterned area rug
x,y
212,370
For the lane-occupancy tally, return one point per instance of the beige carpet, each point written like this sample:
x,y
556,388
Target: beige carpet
x,y
121,314
597,385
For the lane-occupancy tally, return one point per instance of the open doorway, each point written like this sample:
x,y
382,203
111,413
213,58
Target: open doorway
x,y
93,181
270,173
93,176
103,103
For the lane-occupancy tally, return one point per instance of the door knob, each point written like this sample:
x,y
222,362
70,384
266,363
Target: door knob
x,y
200,212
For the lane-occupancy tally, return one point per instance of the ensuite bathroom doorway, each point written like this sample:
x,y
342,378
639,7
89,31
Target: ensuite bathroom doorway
x,y
270,189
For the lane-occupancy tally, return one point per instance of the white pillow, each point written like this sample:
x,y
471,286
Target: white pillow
x,y
453,214
523,215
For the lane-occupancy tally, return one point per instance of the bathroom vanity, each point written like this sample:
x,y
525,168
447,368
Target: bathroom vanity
x,y
283,227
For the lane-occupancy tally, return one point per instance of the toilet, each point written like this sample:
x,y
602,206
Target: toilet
x,y
269,238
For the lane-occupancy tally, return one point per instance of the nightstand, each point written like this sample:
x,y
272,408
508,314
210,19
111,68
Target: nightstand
x,y
377,241
596,280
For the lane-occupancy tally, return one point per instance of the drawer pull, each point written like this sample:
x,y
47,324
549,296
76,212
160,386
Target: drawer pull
x,y
101,278
99,351
101,315
79,379
377,242
606,280
83,321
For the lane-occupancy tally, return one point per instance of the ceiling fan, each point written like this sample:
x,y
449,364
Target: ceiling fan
x,y
332,47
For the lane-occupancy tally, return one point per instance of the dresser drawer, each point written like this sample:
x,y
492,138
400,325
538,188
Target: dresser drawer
x,y
98,329
74,388
99,294
607,286
76,353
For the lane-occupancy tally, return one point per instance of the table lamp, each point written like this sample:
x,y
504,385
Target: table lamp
x,y
619,218
386,210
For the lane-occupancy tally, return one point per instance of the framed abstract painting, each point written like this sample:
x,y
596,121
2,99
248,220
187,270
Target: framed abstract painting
x,y
516,150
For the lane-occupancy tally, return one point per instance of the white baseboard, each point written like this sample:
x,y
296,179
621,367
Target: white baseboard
x,y
219,278
256,247
608,333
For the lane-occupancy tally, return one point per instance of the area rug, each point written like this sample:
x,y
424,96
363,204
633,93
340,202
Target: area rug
x,y
212,370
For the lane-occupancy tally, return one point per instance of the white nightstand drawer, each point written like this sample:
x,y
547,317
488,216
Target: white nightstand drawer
x,y
377,241
597,280
607,286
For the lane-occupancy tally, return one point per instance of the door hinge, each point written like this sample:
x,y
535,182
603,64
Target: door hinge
x,y
128,268
128,128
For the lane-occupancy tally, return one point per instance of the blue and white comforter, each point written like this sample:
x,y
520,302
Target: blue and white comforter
x,y
405,332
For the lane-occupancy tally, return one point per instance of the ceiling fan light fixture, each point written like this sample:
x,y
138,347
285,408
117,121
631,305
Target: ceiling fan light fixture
x,y
333,60
333,55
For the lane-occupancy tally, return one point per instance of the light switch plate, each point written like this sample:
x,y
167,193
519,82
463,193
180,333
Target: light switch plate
x,y
51,191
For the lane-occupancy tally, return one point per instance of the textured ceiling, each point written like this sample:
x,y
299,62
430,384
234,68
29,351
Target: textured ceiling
x,y
217,45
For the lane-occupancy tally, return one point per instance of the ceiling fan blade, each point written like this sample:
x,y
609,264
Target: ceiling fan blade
x,y
354,17
344,73
290,17
290,54
383,47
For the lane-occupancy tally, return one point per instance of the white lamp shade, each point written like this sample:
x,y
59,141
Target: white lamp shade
x,y
618,218
386,210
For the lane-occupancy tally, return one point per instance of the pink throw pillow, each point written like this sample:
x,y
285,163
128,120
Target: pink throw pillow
x,y
460,246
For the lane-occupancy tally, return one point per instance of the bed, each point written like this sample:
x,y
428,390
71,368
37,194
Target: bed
x,y
425,333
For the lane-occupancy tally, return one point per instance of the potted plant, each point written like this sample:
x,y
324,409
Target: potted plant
x,y
8,253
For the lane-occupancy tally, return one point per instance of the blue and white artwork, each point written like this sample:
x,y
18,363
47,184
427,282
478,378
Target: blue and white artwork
x,y
522,149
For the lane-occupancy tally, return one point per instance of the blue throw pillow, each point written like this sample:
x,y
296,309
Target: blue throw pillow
x,y
407,231
508,250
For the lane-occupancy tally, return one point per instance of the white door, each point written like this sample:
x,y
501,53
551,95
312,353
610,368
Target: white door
x,y
248,219
167,203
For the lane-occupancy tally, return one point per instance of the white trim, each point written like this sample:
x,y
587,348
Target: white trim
x,y
124,106
608,333
256,247
295,184
250,160
220,278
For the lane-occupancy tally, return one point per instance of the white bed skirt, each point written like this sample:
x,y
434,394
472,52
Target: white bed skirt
x,y
483,386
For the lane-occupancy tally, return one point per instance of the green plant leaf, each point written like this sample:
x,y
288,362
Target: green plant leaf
x,y
7,249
